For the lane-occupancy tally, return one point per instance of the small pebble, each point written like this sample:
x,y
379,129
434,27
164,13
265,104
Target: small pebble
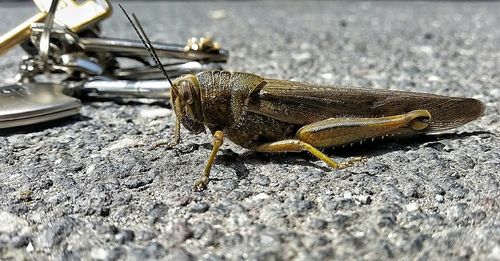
x,y
457,212
155,249
199,207
10,223
218,14
412,207
182,200
318,223
30,248
364,199
19,241
495,253
179,254
261,180
300,57
124,236
327,76
229,184
340,220
181,232
123,143
152,114
433,78
99,254
260,196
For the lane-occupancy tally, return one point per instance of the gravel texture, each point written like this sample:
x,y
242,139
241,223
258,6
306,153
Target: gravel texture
x,y
91,187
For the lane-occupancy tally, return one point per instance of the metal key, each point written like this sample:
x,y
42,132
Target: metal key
x,y
203,49
100,87
73,14
150,72
97,57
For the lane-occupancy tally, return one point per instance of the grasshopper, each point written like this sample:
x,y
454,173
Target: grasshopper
x,y
268,115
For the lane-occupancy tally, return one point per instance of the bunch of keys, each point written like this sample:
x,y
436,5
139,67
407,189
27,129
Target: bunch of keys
x,y
67,46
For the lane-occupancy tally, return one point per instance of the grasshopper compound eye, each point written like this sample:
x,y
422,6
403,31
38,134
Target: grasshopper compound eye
x,y
186,91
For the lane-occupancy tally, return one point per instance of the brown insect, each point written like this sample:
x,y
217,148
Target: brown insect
x,y
268,115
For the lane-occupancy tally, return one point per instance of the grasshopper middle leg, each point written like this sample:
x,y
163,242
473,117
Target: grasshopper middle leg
x,y
298,146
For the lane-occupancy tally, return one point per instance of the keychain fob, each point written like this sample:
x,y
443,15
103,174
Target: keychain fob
x,y
29,103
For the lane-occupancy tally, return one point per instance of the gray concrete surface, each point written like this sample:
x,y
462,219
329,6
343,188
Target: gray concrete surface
x,y
86,188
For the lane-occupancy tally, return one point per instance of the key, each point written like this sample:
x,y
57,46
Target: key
x,y
149,72
73,14
203,49
77,14
67,55
19,33
138,82
105,88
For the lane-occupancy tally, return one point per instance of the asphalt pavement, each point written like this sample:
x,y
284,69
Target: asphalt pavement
x,y
91,187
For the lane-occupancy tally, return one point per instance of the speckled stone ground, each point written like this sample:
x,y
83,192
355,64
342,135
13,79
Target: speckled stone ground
x,y
87,188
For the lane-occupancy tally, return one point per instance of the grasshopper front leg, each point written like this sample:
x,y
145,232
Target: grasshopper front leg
x,y
174,141
203,181
339,131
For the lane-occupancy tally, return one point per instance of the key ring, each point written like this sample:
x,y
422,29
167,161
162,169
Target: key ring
x,y
45,38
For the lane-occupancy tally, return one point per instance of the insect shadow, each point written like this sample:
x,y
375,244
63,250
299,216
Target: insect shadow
x,y
238,161
380,147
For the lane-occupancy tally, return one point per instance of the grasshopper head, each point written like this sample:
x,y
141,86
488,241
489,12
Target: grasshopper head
x,y
185,91
186,100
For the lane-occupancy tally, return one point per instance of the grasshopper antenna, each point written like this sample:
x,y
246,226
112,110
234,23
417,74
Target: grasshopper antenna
x,y
145,41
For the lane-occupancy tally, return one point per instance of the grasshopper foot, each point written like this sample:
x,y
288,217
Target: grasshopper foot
x,y
200,184
351,162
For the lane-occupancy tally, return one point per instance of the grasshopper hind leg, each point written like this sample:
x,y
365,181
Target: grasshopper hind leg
x,y
338,131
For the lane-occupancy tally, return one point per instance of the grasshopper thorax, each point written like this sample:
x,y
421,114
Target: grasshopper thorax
x,y
186,101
